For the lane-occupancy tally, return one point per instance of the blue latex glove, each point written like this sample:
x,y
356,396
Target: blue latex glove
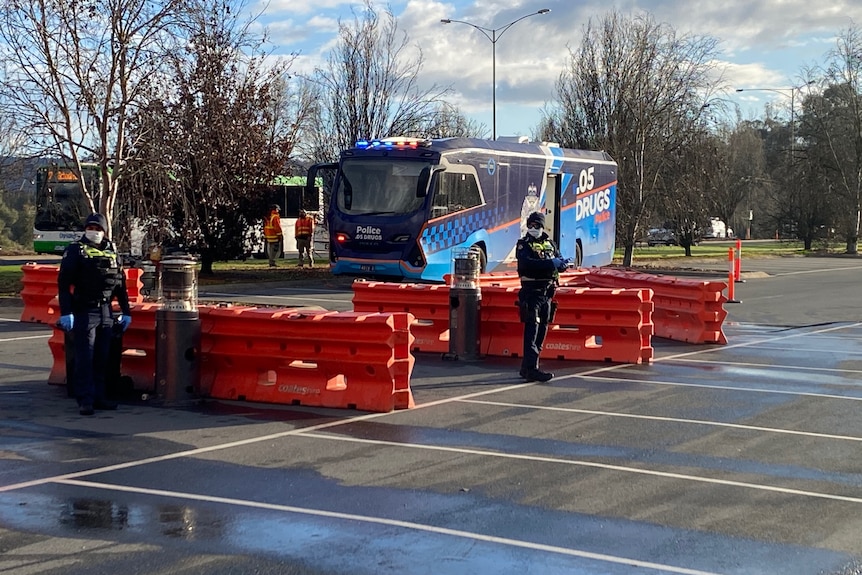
x,y
125,321
66,322
557,262
566,263
561,263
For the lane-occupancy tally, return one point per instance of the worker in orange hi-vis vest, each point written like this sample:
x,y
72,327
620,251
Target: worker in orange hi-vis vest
x,y
272,234
304,232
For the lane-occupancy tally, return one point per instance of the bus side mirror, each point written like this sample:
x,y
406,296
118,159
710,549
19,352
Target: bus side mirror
x,y
425,180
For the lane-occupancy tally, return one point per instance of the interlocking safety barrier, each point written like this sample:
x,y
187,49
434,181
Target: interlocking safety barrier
x,y
591,323
274,355
685,309
352,360
39,287
429,305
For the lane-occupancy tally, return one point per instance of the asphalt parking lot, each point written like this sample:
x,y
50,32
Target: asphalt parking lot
x,y
734,459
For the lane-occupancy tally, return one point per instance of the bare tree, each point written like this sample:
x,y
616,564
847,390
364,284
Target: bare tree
x,y
636,90
450,122
687,203
369,87
74,71
227,127
739,173
839,127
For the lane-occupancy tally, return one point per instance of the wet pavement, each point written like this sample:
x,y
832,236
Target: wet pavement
x,y
736,459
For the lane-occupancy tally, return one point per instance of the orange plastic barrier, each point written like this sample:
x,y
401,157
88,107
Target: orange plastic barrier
x,y
349,360
138,359
511,279
591,324
429,305
287,356
685,310
57,343
39,287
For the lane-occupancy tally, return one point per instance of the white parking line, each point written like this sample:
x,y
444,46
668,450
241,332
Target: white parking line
x,y
843,352
718,348
240,443
817,271
395,523
590,464
771,366
312,433
664,419
721,387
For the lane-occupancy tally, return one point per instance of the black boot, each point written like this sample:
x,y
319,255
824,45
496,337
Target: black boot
x,y
537,375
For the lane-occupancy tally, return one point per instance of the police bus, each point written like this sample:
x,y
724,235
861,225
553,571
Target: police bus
x,y
402,208
61,206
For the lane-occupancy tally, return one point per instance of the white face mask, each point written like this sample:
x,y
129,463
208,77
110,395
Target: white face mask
x,y
535,232
95,236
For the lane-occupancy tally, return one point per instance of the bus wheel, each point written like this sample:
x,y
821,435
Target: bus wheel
x,y
579,255
483,259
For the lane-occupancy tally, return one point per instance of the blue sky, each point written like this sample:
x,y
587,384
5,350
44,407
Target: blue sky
x,y
763,44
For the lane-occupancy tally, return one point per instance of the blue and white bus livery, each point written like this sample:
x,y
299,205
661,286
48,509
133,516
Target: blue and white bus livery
x,y
399,208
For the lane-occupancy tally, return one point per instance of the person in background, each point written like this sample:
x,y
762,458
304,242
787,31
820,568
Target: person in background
x,y
272,234
539,267
304,233
91,276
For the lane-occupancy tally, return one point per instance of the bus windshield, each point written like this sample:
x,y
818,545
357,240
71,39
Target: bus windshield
x,y
376,186
60,207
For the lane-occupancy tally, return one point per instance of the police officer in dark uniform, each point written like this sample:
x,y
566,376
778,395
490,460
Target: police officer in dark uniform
x,y
539,264
93,271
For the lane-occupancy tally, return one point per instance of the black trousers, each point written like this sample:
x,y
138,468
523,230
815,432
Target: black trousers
x,y
92,334
535,306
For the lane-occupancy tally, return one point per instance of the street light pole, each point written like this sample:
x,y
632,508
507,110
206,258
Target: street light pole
x,y
783,92
494,34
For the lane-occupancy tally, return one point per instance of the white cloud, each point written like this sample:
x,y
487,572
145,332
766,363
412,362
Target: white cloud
x,y
763,42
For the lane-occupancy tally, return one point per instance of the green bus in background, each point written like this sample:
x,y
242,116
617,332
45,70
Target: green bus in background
x,y
60,205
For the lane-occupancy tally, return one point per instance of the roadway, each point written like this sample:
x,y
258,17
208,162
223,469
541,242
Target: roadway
x,y
735,459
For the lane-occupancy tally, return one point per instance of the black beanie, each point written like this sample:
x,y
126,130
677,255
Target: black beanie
x,y
536,217
97,219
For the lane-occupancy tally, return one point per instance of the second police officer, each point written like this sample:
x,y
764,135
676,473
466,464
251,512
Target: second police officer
x,y
539,267
90,277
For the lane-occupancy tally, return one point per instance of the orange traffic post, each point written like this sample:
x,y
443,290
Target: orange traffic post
x,y
731,273
737,266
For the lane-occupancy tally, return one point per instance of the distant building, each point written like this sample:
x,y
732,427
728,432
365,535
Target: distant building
x,y
717,229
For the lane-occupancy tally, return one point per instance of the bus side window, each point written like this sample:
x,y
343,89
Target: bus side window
x,y
461,190
440,205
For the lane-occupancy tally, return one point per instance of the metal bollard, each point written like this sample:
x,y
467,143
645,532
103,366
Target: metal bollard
x,y
149,281
178,331
465,297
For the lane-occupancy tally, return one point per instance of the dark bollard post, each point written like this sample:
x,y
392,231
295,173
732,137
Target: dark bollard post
x,y
178,331
465,297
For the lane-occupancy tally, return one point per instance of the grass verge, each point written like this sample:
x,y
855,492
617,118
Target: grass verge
x,y
255,271
712,250
10,280
249,271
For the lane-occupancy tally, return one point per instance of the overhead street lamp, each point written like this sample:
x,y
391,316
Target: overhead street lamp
x,y
784,91
494,34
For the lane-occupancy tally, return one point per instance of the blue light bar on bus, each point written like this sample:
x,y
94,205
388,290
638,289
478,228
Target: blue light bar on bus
x,y
393,144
